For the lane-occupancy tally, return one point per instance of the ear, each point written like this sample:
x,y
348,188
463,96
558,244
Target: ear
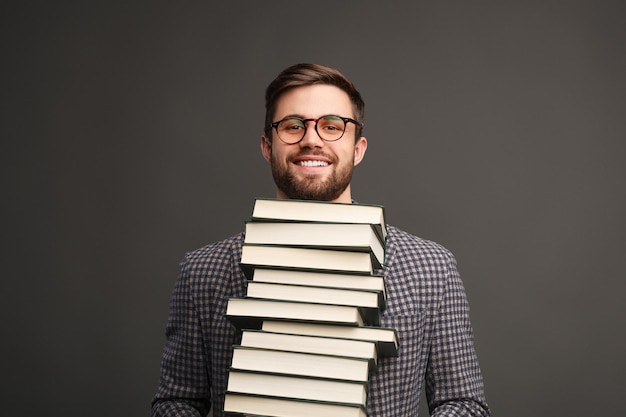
x,y
359,150
266,147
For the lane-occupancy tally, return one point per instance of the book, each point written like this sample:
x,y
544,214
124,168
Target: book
x,y
258,256
310,335
320,211
365,349
250,313
302,364
322,279
303,387
386,338
259,405
371,302
340,236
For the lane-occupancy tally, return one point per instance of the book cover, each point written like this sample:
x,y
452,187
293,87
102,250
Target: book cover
x,y
322,345
339,236
264,256
370,302
322,279
259,405
289,386
386,338
279,361
249,312
320,211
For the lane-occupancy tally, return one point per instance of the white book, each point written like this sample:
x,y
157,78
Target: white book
x,y
288,386
320,211
258,256
321,279
301,364
364,349
386,338
341,236
249,312
258,405
371,302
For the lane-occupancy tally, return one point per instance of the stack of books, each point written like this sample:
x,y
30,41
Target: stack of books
x,y
310,319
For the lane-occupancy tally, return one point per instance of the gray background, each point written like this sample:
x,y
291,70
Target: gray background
x,y
130,136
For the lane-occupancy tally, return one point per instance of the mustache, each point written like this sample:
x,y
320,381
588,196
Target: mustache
x,y
313,152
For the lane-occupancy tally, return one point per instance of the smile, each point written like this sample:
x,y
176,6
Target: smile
x,y
313,163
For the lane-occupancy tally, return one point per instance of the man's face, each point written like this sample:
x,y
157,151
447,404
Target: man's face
x,y
313,169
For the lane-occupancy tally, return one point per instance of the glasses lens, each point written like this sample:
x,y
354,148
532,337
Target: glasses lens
x,y
331,127
291,130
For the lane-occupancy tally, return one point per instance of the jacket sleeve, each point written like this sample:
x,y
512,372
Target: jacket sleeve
x,y
454,384
184,387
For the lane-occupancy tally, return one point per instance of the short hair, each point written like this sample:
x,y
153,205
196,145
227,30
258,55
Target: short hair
x,y
306,74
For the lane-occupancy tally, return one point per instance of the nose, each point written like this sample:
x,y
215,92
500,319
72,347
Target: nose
x,y
311,139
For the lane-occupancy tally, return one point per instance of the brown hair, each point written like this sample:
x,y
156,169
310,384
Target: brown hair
x,y
300,75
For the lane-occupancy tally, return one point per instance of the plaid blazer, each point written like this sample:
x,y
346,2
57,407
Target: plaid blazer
x,y
426,304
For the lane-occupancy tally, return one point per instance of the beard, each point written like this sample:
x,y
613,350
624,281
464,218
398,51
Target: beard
x,y
311,187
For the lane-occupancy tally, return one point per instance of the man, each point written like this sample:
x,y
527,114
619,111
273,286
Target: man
x,y
313,140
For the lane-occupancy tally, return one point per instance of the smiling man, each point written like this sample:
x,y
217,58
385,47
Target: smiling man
x,y
310,160
313,140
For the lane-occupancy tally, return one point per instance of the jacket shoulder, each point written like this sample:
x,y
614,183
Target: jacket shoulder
x,y
417,272
216,248
217,257
405,242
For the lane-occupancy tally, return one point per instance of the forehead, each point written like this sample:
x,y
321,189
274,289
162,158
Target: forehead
x,y
312,101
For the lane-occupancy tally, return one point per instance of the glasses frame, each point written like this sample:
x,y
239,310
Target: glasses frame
x,y
346,120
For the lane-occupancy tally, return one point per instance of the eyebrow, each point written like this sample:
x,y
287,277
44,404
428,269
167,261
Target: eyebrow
x,y
299,116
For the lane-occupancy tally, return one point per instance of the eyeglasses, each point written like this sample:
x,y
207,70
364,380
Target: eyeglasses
x,y
329,128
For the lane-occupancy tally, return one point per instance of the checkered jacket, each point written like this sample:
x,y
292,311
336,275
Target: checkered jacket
x,y
426,304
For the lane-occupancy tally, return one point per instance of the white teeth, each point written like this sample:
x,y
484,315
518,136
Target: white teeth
x,y
313,163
